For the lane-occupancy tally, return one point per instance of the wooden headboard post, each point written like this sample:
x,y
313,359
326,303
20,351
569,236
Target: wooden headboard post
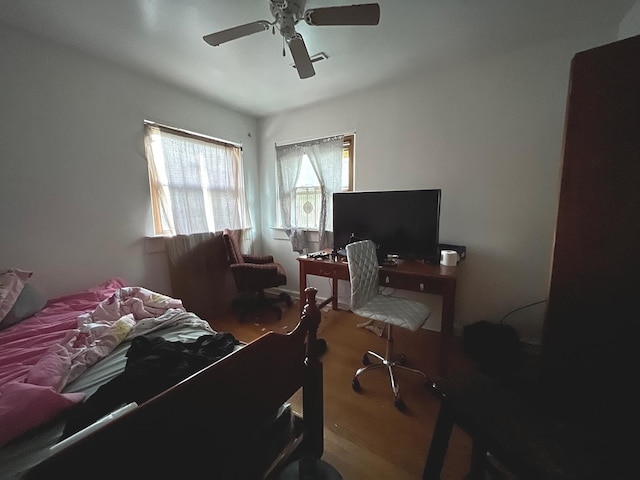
x,y
312,397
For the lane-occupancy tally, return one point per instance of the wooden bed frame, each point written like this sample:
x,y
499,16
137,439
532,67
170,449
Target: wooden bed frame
x,y
201,424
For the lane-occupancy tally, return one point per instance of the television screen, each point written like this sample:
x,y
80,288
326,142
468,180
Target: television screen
x,y
404,223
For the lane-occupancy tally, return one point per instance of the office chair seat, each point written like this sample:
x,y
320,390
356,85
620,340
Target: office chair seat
x,y
367,302
400,312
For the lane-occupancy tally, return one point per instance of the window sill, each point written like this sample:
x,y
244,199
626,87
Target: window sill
x,y
280,234
154,243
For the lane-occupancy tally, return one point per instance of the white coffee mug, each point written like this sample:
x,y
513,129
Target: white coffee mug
x,y
449,258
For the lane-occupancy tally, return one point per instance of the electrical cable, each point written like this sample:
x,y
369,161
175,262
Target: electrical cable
x,y
521,308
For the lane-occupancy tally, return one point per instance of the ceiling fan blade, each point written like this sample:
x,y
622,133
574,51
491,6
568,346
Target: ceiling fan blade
x,y
229,34
301,57
365,14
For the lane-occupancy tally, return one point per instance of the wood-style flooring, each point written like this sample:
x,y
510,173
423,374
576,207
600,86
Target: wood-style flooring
x,y
366,437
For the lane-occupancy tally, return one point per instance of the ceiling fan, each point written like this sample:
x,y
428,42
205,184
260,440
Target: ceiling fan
x,y
287,13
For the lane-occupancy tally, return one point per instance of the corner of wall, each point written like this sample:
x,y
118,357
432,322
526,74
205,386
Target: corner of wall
x,y
630,24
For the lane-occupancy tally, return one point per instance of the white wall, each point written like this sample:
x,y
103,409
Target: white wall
x,y
490,135
74,200
74,190
630,24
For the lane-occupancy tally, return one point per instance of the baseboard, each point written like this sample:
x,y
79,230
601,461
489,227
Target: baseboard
x,y
296,296
527,347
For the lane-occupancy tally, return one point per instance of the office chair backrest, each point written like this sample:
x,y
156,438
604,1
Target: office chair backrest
x,y
363,272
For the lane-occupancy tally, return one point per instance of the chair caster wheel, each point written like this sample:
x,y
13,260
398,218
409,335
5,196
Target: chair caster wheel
x,y
399,404
365,360
355,384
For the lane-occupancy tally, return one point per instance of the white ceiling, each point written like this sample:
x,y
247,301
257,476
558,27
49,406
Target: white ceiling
x,y
164,38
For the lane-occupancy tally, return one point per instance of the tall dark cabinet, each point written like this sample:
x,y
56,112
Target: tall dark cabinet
x,y
591,334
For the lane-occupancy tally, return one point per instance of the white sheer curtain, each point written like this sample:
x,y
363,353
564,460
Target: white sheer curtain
x,y
325,155
326,158
197,184
289,160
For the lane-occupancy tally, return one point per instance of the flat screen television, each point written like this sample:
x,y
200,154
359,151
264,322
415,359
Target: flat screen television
x,y
402,223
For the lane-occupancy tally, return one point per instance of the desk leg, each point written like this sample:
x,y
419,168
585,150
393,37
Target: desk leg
x,y
334,292
303,285
446,328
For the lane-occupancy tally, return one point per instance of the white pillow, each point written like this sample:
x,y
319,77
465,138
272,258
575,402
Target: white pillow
x,y
29,301
11,284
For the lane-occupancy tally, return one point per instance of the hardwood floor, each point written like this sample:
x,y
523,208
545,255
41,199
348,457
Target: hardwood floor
x,y
366,437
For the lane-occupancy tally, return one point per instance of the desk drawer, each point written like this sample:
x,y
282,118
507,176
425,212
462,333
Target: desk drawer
x,y
327,269
412,283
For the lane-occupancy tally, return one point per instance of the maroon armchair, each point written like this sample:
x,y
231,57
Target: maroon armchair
x,y
253,274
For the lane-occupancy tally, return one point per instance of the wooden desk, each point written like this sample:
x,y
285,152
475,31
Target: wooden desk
x,y
414,276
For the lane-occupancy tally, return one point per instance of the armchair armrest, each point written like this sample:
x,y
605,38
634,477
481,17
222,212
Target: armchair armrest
x,y
255,277
257,259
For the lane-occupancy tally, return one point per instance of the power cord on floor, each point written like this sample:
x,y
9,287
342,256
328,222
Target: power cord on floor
x,y
521,308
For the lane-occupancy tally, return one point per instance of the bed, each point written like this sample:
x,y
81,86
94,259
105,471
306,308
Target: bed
x,y
229,418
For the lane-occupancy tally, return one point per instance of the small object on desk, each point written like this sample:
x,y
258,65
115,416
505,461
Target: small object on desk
x,y
449,258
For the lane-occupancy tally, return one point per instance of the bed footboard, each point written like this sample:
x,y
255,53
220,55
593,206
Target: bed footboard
x,y
198,425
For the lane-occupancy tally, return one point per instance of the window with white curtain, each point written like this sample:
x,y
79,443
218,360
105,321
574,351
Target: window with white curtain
x,y
308,173
197,182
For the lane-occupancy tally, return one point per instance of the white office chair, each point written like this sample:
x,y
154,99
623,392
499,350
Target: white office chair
x,y
366,301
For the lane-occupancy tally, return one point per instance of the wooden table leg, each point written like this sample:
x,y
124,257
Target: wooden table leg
x,y
334,292
439,445
446,328
478,460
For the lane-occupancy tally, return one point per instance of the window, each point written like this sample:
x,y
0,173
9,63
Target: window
x,y
196,182
307,197
308,174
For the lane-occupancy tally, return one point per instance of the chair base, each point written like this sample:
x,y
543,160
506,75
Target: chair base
x,y
391,362
255,305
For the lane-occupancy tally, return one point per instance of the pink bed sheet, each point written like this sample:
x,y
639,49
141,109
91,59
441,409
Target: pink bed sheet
x,y
42,354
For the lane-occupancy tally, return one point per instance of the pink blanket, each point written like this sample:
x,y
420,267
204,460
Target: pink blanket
x,y
42,354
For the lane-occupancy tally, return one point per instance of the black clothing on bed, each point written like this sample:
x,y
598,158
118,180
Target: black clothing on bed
x,y
153,365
